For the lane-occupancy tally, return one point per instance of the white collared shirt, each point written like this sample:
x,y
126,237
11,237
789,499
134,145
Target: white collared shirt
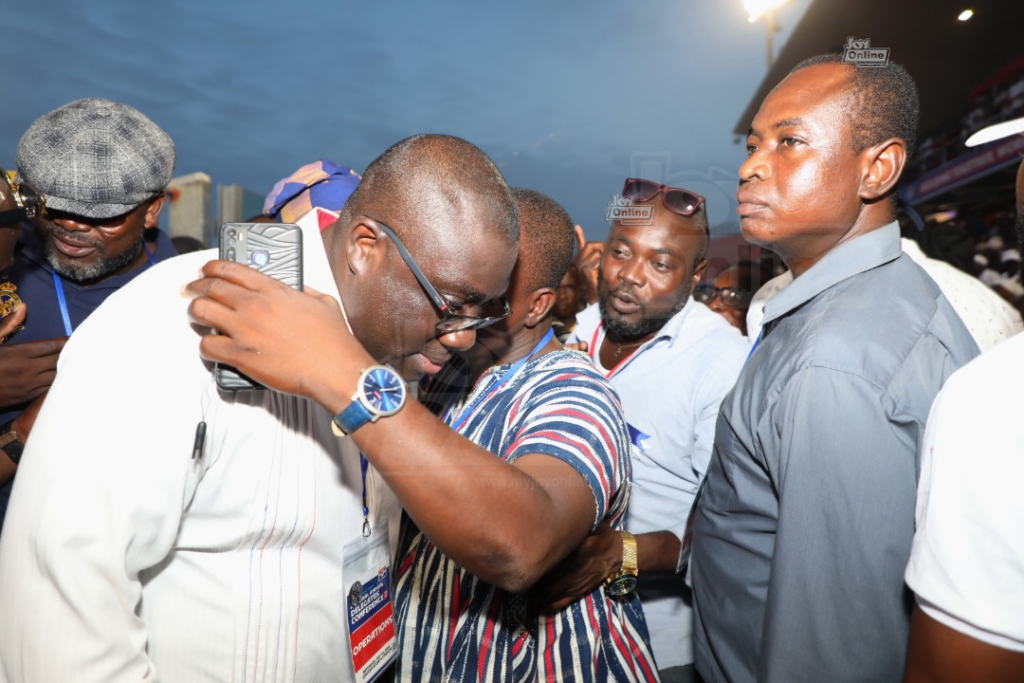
x,y
671,389
123,559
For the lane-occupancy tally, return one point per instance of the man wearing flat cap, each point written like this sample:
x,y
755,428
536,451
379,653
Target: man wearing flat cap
x,y
102,167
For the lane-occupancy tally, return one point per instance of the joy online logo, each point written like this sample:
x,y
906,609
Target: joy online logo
x,y
623,210
858,51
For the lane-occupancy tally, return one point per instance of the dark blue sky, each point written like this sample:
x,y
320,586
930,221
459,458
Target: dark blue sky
x,y
567,97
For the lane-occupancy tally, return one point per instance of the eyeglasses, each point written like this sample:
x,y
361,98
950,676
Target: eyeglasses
x,y
675,199
499,309
731,296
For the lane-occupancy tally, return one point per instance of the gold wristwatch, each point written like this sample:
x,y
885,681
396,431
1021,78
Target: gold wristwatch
x,y
624,582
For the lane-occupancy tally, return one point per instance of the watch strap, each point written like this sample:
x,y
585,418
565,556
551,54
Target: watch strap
x,y
352,418
629,563
10,443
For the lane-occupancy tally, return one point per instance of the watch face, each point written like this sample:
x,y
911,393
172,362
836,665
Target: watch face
x,y
622,585
384,390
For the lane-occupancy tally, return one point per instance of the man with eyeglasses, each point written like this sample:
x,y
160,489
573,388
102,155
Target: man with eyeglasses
x,y
162,528
729,295
522,396
102,168
672,361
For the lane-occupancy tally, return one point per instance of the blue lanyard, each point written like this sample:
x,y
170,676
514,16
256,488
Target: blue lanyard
x,y
59,286
63,302
760,336
516,367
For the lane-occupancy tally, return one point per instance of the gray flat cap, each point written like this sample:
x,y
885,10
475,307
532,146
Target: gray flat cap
x,y
96,158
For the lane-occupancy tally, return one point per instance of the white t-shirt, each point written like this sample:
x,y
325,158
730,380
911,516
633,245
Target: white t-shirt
x,y
987,316
123,559
967,563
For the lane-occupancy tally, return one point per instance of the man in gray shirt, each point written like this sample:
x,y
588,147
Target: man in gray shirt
x,y
805,522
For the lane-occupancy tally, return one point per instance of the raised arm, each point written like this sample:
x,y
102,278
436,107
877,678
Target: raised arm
x,y
508,524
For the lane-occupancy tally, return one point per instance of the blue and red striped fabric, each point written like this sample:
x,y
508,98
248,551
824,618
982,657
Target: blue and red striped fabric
x,y
453,626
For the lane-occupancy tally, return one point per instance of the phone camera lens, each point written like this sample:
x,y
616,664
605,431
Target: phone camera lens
x,y
232,233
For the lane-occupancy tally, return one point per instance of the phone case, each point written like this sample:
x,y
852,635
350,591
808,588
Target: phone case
x,y
271,248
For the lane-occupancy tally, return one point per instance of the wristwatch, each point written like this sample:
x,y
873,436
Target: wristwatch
x,y
381,392
624,582
10,443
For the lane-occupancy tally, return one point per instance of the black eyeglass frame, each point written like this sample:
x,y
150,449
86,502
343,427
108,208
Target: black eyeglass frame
x,y
449,322
732,297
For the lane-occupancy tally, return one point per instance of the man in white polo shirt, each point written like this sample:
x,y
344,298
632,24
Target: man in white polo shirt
x,y
967,563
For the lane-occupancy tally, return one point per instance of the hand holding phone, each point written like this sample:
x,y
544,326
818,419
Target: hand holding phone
x,y
274,249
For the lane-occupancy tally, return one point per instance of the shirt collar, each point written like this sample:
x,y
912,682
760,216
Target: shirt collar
x,y
674,326
316,267
851,258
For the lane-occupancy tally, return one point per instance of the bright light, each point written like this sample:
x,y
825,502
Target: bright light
x,y
966,14
758,8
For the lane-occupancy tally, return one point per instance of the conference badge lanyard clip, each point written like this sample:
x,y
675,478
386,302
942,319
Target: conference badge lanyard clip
x,y
370,617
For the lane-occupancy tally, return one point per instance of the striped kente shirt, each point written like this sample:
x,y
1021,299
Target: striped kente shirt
x,y
453,626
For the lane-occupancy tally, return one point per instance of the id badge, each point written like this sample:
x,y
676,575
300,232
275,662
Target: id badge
x,y
369,615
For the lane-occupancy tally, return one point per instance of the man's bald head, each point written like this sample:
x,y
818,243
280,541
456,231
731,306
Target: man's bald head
x,y
448,204
431,183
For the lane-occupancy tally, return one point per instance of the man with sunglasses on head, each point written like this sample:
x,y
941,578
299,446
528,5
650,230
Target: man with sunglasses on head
x,y
102,168
672,360
804,524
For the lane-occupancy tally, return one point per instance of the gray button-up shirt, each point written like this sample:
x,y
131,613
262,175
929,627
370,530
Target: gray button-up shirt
x,y
805,525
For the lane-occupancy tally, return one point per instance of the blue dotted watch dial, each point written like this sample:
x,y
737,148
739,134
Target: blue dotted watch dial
x,y
384,390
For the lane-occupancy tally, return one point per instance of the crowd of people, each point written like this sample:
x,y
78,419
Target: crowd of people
x,y
1001,99
488,449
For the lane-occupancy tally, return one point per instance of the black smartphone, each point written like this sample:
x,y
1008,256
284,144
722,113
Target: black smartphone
x,y
271,248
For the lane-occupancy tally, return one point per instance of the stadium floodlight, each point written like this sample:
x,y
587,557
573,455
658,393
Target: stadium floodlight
x,y
758,8
764,8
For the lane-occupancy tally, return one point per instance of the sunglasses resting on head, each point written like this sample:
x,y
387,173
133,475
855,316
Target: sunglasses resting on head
x,y
675,199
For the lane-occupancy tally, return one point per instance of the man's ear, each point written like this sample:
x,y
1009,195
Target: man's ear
x,y
698,272
541,302
882,166
154,209
363,248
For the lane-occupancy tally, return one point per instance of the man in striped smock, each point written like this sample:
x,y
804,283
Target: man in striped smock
x,y
519,394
